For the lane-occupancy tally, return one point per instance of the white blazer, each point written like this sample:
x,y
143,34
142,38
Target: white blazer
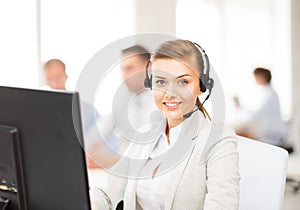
x,y
204,162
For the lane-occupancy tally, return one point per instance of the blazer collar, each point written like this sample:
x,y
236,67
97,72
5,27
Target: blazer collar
x,y
175,159
189,132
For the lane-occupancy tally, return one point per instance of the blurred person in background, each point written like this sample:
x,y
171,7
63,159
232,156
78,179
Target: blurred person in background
x,y
56,77
263,121
138,98
132,103
55,72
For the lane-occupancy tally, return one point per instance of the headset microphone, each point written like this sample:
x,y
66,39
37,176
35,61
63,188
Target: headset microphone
x,y
187,115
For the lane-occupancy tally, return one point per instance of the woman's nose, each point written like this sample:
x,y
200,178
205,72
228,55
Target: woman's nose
x,y
170,90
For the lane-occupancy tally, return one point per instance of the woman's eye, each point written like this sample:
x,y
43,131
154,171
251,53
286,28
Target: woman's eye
x,y
182,82
160,83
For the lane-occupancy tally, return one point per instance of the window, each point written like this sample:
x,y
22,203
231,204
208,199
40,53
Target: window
x,y
239,36
18,51
74,31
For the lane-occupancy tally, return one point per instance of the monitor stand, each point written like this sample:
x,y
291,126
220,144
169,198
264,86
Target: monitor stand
x,y
3,203
12,186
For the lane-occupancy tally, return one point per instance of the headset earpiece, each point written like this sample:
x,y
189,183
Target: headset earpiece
x,y
203,82
202,87
148,80
210,84
206,83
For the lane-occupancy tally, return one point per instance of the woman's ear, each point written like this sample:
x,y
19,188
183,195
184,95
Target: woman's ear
x,y
199,89
199,92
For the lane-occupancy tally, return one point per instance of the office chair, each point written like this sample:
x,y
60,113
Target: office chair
x,y
293,172
263,175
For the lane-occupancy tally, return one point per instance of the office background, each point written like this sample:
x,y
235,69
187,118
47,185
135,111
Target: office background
x,y
237,35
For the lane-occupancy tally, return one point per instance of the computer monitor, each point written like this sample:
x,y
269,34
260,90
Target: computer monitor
x,y
53,172
12,190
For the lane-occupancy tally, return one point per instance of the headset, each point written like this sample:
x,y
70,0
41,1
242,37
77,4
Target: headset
x,y
206,82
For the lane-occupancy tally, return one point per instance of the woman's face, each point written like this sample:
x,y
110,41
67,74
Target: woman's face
x,y
175,88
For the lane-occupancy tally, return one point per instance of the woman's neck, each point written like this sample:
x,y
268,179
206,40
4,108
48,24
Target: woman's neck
x,y
171,123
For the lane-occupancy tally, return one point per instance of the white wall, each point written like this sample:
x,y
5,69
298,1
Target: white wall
x,y
155,16
18,44
75,30
239,36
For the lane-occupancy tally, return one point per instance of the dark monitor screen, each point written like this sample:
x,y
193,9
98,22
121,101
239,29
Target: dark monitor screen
x,y
49,132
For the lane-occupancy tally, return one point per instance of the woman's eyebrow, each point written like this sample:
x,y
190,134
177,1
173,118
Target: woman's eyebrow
x,y
160,77
183,76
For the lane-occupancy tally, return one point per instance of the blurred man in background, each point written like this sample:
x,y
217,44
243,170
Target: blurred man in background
x,y
55,71
263,121
132,103
56,77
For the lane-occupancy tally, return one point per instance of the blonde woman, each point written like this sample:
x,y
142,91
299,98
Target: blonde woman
x,y
178,170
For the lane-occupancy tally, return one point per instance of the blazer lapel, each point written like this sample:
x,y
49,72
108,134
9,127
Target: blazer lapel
x,y
175,160
135,168
180,155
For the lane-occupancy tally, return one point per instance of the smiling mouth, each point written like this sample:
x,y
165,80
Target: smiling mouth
x,y
172,105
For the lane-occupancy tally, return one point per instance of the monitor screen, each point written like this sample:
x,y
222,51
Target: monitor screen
x,y
49,130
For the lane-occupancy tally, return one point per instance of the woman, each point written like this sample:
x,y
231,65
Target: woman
x,y
179,170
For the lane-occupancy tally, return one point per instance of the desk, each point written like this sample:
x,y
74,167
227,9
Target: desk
x,y
97,177
293,171
294,166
